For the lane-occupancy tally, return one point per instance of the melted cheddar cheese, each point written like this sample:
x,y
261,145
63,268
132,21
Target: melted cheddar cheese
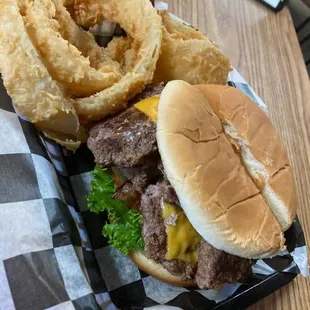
x,y
182,238
149,107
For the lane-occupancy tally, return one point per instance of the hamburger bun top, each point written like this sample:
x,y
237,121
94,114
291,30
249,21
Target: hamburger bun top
x,y
260,147
207,169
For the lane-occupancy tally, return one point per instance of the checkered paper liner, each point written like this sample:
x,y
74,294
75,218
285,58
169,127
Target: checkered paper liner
x,y
52,253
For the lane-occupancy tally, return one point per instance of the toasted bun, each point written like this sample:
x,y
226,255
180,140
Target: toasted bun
x,y
260,147
158,271
215,190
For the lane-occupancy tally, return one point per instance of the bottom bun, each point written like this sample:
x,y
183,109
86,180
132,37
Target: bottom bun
x,y
157,270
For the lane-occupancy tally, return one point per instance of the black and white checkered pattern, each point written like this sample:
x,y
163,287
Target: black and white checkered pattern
x,y
52,252
46,260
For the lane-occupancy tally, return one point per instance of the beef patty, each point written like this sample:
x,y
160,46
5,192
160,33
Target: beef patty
x,y
154,230
153,227
137,179
214,267
150,90
125,139
122,141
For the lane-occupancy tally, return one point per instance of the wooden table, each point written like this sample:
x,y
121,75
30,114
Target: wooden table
x,y
263,46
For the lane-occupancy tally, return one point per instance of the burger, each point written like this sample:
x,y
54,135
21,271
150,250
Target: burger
x,y
195,182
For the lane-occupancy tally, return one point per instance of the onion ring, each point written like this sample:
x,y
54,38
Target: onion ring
x,y
63,60
35,94
85,13
83,40
189,55
142,23
122,50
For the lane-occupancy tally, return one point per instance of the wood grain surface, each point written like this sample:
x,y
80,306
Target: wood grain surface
x,y
263,46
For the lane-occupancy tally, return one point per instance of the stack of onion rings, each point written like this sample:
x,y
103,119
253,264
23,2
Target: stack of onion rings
x,y
58,76
56,73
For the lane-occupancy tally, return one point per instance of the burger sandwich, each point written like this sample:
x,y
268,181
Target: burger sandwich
x,y
195,182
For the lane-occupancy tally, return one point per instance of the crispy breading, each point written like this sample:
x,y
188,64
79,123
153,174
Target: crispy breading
x,y
141,22
63,60
188,55
48,63
35,94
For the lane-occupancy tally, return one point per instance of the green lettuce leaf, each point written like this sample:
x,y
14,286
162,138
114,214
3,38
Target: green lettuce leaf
x,y
124,229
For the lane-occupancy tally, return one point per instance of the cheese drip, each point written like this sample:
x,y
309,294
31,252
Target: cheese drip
x,y
149,107
182,238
